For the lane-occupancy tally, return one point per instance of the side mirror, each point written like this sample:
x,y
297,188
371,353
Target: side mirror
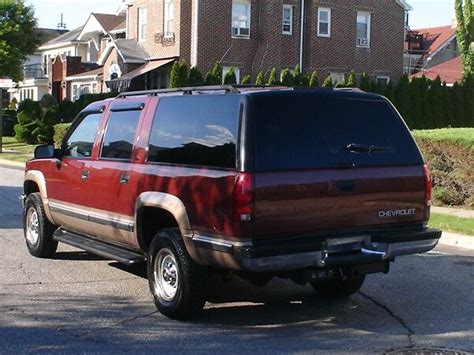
x,y
45,151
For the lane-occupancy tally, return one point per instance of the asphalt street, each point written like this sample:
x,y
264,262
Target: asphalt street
x,y
79,303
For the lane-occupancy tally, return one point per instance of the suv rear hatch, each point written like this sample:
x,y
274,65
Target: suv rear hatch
x,y
333,161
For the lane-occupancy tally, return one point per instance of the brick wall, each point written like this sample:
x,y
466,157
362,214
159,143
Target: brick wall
x,y
267,47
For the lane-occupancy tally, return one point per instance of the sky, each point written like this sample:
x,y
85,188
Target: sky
x,y
426,13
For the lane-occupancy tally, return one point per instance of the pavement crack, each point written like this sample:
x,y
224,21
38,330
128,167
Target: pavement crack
x,y
410,331
118,324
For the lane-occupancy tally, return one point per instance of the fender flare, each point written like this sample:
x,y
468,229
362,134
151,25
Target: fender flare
x,y
38,178
175,207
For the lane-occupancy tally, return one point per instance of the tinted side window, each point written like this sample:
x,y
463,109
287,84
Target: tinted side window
x,y
196,131
120,135
80,142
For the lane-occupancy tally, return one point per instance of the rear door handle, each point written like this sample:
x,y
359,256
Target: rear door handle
x,y
85,175
124,179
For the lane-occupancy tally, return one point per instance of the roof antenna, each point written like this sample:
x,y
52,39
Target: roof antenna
x,y
62,25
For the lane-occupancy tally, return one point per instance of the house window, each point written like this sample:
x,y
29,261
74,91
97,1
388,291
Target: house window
x,y
169,18
225,70
324,22
287,20
337,78
142,21
241,19
382,80
363,29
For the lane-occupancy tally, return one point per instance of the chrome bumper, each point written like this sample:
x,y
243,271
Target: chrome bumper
x,y
333,252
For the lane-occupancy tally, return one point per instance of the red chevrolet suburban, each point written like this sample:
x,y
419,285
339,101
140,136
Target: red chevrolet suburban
x,y
314,185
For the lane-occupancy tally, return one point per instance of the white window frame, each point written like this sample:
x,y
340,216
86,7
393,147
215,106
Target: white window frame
x,y
249,20
290,32
142,23
236,71
168,18
382,77
359,41
328,10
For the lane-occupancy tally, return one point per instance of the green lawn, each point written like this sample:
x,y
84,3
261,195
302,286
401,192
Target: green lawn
x,y
452,223
464,136
12,150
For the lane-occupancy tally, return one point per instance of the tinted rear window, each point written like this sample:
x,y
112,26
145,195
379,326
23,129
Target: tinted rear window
x,y
310,131
200,130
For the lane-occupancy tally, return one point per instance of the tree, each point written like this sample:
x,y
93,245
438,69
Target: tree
x,y
247,79
195,77
465,34
273,80
286,78
327,82
314,82
297,77
260,79
230,77
18,38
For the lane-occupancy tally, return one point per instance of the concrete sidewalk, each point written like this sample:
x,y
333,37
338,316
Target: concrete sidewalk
x,y
11,164
457,240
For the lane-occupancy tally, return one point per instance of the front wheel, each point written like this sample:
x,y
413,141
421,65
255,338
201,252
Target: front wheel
x,y
176,281
38,229
339,288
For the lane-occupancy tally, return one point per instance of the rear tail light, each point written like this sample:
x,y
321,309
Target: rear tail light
x,y
243,197
428,190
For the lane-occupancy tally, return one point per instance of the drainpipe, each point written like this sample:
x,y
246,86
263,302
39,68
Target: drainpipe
x,y
302,4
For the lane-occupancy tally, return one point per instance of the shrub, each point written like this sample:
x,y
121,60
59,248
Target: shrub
x,y
67,111
351,80
286,78
217,73
327,82
195,77
364,82
174,75
8,122
260,79
313,81
48,101
273,80
179,74
297,77
13,104
246,80
230,77
60,131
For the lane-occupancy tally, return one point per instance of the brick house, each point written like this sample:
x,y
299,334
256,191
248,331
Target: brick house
x,y
335,36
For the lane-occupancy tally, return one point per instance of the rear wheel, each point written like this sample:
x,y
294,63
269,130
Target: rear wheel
x,y
339,288
38,229
177,283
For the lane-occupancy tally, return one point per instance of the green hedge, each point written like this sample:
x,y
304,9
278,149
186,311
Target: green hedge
x,y
60,131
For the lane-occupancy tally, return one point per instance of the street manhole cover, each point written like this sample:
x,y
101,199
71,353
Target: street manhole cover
x,y
428,351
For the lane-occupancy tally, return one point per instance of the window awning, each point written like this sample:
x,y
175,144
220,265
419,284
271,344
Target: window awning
x,y
123,83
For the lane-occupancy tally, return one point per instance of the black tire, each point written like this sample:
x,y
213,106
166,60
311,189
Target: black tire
x,y
338,288
179,289
38,230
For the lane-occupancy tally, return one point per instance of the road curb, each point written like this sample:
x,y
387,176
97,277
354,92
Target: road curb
x,y
457,240
11,164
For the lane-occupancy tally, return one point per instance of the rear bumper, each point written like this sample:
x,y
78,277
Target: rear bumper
x,y
319,252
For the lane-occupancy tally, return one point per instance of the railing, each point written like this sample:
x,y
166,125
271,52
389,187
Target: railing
x,y
33,71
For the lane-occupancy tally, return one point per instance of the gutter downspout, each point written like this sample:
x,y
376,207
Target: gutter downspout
x,y
302,4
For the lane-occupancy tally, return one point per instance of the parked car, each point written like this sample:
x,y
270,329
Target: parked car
x,y
314,185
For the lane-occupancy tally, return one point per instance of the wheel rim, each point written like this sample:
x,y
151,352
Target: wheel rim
x,y
166,273
32,226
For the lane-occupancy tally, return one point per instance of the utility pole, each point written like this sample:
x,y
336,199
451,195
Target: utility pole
x,y
1,118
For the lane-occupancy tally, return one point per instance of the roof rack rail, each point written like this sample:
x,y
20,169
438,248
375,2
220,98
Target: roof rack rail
x,y
229,89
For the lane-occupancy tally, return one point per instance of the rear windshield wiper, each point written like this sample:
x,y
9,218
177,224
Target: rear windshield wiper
x,y
364,148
